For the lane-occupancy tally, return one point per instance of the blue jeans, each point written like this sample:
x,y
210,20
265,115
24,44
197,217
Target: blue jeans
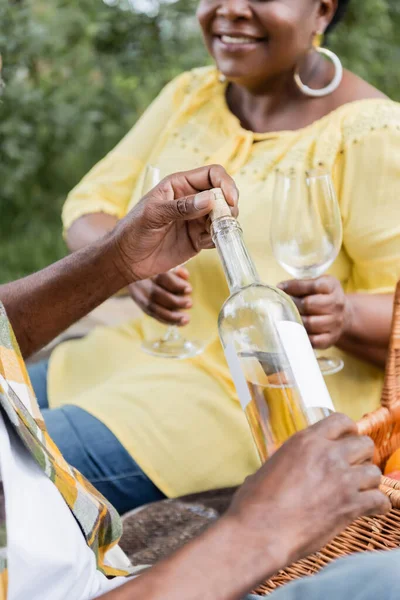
x,y
93,449
369,576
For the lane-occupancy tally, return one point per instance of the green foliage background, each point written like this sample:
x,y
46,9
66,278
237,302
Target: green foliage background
x,y
78,74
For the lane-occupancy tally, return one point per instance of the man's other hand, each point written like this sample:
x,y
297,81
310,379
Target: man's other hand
x,y
311,489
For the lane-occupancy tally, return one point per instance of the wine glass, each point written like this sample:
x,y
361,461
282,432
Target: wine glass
x,y
172,344
306,230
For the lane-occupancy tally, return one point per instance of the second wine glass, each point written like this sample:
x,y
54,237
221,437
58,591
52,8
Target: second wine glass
x,y
173,344
306,230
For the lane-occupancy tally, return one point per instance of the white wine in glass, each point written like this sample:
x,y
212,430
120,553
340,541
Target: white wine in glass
x,y
306,230
172,344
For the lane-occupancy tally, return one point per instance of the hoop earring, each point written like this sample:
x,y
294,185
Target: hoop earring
x,y
336,81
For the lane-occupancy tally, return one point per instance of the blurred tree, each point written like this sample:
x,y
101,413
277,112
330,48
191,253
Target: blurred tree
x,y
368,43
78,73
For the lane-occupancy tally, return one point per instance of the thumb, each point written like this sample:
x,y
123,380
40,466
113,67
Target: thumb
x,y
191,207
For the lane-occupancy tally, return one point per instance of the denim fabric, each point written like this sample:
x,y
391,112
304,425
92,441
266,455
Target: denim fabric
x,y
368,576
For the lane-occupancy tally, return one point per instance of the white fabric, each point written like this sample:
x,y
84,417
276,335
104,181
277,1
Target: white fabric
x,y
47,554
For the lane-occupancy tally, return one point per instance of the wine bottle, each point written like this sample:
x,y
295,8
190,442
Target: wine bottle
x,y
271,360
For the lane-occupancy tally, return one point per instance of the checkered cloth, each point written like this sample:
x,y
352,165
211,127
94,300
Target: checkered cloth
x,y
98,520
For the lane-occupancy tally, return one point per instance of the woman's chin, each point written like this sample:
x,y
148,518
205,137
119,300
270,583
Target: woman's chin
x,y
238,77
233,72
236,70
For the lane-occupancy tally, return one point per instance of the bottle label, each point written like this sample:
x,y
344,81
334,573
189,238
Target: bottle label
x,y
304,365
237,375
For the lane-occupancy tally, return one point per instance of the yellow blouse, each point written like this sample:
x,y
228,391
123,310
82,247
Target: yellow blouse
x,y
181,420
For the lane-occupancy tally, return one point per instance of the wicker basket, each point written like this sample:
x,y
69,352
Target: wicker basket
x,y
372,533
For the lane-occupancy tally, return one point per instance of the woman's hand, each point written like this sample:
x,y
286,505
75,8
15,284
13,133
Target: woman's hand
x,y
165,297
324,308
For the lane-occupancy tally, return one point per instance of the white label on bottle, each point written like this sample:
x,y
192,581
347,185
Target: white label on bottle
x,y
237,375
304,365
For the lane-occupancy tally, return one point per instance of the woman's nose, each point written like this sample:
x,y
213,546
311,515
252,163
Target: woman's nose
x,y
234,9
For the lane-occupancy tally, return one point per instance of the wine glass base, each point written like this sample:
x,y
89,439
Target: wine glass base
x,y
330,365
179,348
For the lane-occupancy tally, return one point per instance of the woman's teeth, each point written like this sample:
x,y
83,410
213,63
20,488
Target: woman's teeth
x,y
227,39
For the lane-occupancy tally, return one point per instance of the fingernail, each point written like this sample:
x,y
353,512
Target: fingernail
x,y
201,200
184,320
281,286
189,304
187,290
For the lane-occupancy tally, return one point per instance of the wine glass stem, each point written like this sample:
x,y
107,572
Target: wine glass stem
x,y
172,333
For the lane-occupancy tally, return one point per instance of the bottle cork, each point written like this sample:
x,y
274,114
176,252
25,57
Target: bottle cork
x,y
221,207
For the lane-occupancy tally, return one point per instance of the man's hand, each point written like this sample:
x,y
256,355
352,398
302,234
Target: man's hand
x,y
309,491
169,225
165,297
167,228
324,307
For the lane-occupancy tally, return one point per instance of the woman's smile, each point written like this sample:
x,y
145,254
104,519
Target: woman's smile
x,y
236,41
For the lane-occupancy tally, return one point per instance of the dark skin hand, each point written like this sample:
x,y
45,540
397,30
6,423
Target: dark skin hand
x,y
162,297
356,323
262,94
168,226
326,468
